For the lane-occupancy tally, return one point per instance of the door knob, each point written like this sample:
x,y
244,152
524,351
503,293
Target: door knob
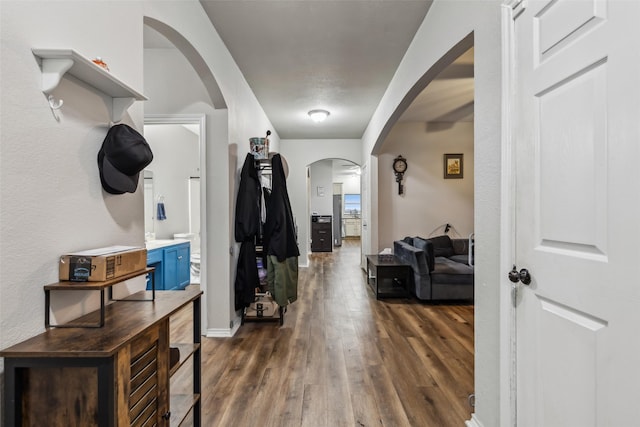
x,y
514,276
520,276
525,277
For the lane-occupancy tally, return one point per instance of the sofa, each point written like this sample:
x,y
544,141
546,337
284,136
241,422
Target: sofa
x,y
442,267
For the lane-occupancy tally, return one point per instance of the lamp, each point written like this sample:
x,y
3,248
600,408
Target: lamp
x,y
318,115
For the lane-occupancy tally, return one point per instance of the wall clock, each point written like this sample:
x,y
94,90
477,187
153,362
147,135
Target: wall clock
x,y
400,167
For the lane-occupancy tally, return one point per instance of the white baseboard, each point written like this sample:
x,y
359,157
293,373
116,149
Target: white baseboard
x,y
224,332
218,333
473,422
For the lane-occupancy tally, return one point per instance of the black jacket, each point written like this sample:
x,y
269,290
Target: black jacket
x,y
279,229
247,279
247,228
248,202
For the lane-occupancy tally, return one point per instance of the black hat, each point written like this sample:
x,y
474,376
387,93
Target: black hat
x,y
123,155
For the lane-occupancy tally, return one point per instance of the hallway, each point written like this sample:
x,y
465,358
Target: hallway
x,y
342,358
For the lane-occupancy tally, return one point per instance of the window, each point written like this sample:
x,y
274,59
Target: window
x,y
352,204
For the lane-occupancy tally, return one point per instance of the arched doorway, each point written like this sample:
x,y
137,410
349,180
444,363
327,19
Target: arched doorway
x,y
435,119
198,102
334,193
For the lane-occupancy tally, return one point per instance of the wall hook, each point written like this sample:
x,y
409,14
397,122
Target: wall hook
x,y
55,104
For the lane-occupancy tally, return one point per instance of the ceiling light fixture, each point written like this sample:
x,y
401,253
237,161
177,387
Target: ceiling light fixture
x,y
318,115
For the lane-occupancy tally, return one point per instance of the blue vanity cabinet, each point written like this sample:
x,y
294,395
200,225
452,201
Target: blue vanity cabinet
x,y
176,266
172,263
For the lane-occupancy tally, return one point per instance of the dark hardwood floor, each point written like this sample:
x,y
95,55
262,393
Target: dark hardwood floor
x,y
343,358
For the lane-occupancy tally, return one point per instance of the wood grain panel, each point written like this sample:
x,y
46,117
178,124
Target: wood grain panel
x,y
57,387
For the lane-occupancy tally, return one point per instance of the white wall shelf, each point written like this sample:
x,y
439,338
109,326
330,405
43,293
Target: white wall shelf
x,y
57,62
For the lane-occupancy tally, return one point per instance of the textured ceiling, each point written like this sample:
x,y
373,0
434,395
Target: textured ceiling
x,y
299,55
339,55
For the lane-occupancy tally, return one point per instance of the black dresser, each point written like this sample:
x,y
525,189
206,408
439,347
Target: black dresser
x,y
321,233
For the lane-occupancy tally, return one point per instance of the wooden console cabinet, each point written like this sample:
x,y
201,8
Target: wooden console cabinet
x,y
116,375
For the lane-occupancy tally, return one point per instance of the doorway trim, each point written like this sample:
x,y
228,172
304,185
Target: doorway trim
x,y
511,9
200,121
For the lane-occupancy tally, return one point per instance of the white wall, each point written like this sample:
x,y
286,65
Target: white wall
x,y
171,83
176,158
50,194
321,181
446,24
429,201
350,184
300,153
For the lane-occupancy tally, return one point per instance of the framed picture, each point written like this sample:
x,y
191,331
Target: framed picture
x,y
453,166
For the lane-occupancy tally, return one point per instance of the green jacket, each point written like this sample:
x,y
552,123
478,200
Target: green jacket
x,y
282,278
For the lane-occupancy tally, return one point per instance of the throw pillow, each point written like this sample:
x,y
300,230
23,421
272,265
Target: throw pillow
x,y
442,246
408,240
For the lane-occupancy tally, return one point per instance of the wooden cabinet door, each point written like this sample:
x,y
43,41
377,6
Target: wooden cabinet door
x,y
144,371
183,265
52,389
176,267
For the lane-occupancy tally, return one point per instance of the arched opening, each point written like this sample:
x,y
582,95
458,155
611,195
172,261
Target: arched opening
x,y
434,132
438,67
188,51
185,99
434,121
334,195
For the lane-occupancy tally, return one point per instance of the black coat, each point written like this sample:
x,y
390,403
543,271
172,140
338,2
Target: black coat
x,y
247,227
247,279
248,202
279,229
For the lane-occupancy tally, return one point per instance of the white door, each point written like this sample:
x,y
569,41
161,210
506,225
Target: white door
x,y
576,136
